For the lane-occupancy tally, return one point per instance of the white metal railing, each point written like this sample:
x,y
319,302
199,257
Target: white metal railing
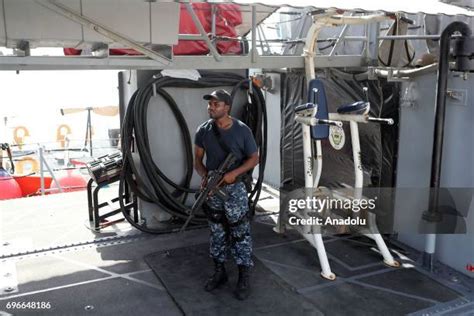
x,y
42,156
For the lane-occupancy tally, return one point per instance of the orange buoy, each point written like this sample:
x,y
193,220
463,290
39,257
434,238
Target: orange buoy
x,y
31,185
9,188
73,181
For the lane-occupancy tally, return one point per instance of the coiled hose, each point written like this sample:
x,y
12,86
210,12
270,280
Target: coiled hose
x,y
135,140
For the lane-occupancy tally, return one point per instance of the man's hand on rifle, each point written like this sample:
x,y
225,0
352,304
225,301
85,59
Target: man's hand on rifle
x,y
229,178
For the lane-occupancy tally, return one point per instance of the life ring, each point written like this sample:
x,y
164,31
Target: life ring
x,y
61,132
22,164
19,134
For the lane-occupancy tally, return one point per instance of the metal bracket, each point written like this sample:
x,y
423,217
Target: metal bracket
x,y
457,96
22,49
266,81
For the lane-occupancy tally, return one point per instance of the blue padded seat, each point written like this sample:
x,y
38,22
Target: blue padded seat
x,y
359,107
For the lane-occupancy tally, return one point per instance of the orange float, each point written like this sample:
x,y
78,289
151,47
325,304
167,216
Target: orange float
x,y
31,185
73,181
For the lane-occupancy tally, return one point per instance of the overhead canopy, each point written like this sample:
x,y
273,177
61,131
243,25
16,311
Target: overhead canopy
x,y
152,28
407,6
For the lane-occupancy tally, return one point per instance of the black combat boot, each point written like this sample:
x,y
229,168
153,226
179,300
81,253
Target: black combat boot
x,y
242,291
219,277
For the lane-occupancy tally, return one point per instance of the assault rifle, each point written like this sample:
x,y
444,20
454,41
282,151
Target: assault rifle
x,y
213,180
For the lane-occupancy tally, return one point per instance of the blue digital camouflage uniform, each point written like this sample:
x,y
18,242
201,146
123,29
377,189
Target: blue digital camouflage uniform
x,y
238,239
234,235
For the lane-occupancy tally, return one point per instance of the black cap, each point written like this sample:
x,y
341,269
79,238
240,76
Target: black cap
x,y
220,95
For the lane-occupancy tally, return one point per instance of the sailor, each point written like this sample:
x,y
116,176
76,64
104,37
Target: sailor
x,y
228,220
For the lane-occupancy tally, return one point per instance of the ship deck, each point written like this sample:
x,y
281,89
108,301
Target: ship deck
x,y
52,263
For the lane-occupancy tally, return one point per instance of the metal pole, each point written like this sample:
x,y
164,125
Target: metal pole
x,y
359,176
254,35
319,163
66,154
89,125
372,43
409,37
352,38
299,30
433,215
430,248
315,239
308,157
261,39
339,38
265,39
52,175
213,23
40,152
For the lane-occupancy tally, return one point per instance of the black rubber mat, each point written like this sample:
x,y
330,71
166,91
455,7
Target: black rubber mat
x,y
412,282
263,235
298,264
352,253
355,299
184,271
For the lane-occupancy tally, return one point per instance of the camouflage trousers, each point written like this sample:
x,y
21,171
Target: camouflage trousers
x,y
232,232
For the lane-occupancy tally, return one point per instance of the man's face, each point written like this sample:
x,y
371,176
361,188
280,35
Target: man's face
x,y
217,109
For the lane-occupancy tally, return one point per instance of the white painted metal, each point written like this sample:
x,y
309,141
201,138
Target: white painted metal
x,y
95,26
41,159
179,62
307,156
349,117
43,163
327,19
309,54
144,22
323,258
409,6
254,51
320,21
319,164
430,243
359,177
314,238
